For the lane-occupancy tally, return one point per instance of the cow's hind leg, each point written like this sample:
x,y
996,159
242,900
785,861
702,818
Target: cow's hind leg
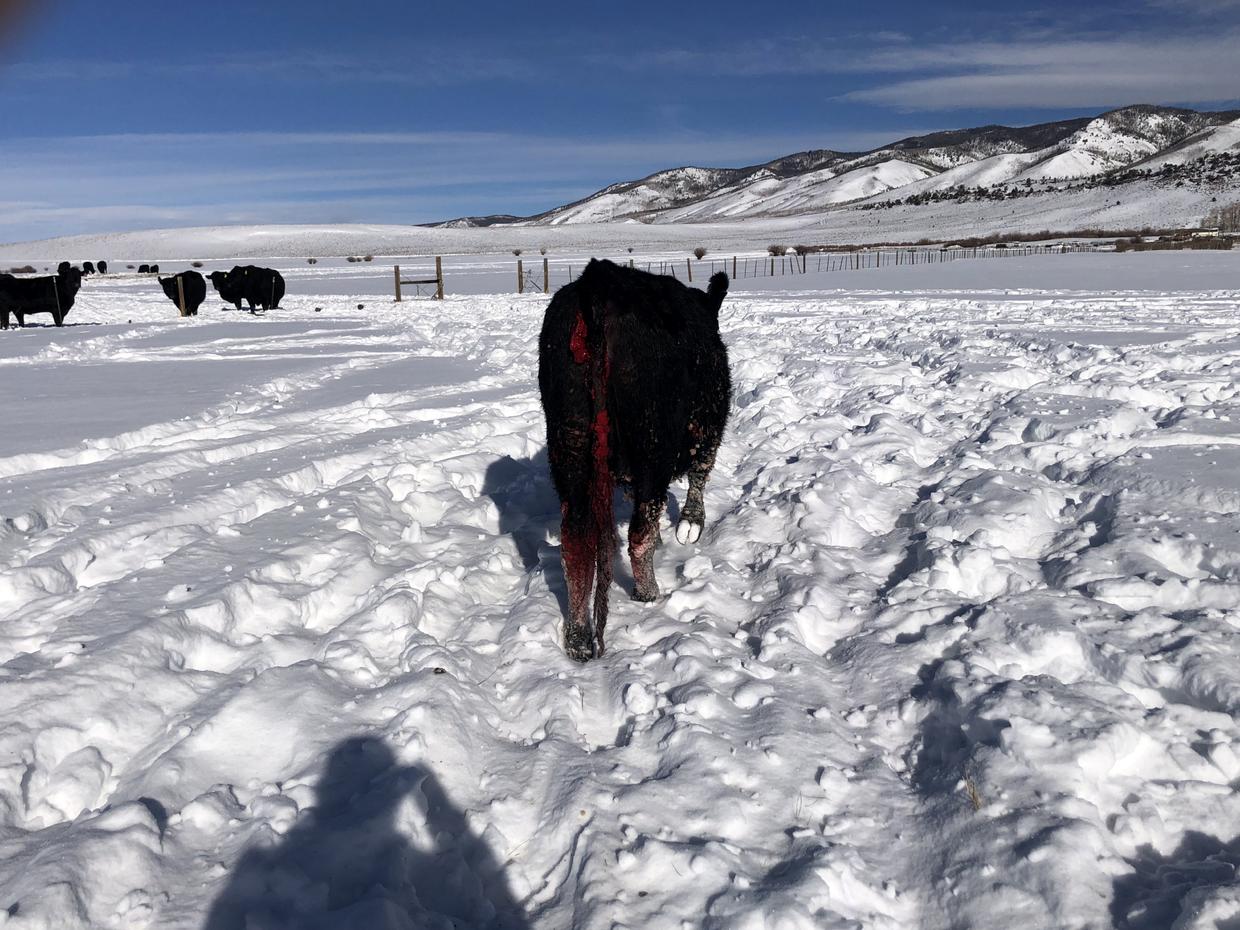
x,y
693,513
578,548
643,540
578,539
4,319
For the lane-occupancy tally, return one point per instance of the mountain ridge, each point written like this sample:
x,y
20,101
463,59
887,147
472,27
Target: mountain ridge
x,y
994,158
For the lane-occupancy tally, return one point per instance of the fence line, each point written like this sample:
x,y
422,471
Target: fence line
x,y
768,266
764,266
825,262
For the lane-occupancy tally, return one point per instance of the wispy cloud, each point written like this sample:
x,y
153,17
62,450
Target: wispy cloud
x,y
113,181
427,68
757,57
1199,7
1060,74
497,148
1036,67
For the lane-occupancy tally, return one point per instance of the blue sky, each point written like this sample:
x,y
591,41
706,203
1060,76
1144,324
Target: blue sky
x,y
144,115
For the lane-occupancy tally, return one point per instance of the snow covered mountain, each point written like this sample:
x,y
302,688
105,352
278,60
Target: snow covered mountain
x,y
1137,167
985,162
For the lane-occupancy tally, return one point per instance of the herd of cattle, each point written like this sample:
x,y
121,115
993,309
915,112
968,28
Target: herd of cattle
x,y
634,382
55,294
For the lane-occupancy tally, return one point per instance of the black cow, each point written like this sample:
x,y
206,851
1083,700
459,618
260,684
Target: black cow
x,y
63,268
263,287
144,269
102,266
154,269
193,286
258,287
88,268
635,388
231,290
52,294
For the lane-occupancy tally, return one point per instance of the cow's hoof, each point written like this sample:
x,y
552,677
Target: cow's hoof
x,y
579,643
688,533
646,593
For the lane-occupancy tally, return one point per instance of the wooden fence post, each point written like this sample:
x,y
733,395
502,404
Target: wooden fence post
x,y
689,265
734,266
396,270
181,295
547,276
520,278
438,277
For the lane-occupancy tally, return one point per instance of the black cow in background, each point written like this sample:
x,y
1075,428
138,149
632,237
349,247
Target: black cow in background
x,y
102,266
635,388
88,268
144,269
232,292
192,285
154,269
258,287
64,268
263,287
52,294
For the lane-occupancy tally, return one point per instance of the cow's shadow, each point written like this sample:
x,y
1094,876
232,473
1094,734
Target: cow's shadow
x,y
383,846
529,512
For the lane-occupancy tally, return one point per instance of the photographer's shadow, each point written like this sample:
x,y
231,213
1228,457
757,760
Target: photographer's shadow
x,y
346,865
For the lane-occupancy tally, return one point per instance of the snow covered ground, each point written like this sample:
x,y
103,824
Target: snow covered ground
x,y
280,610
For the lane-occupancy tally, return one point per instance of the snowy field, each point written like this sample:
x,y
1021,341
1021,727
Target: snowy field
x,y
280,609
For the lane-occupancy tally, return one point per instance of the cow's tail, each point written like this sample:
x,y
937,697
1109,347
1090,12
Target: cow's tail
x,y
594,322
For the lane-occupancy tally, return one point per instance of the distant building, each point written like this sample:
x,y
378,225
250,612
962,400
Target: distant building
x,y
1206,232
